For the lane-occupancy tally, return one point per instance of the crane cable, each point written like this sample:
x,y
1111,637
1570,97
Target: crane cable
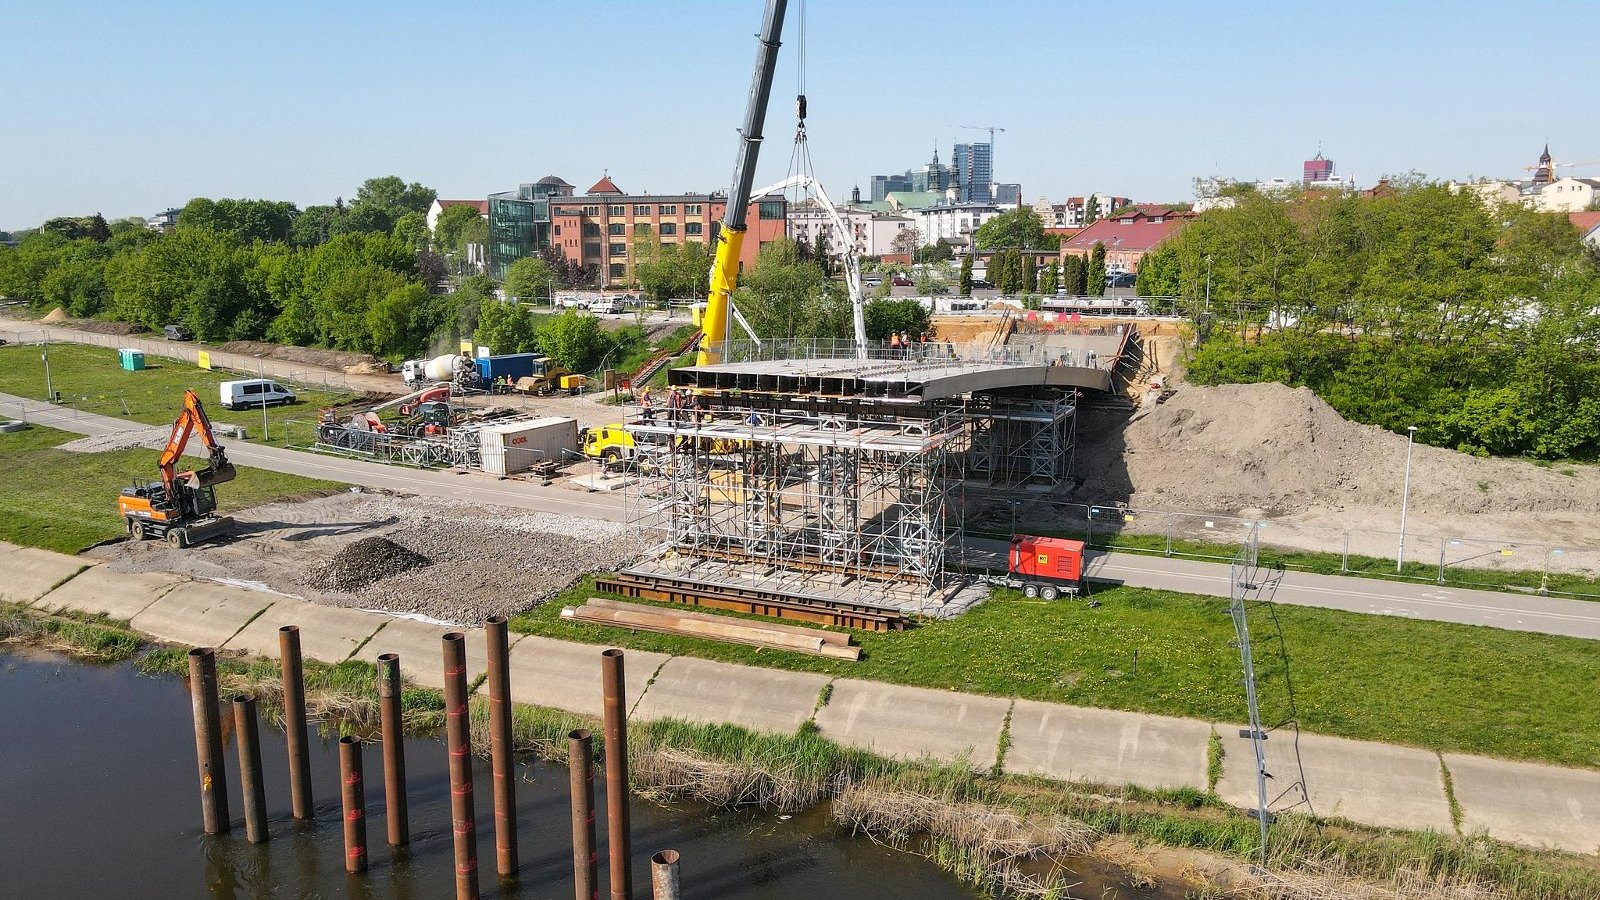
x,y
800,156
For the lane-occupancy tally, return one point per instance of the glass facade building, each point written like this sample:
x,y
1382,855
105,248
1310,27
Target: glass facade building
x,y
519,222
974,171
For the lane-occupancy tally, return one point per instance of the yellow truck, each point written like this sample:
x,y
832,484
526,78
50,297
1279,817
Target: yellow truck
x,y
609,444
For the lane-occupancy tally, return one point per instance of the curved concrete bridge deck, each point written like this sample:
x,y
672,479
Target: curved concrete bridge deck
x,y
933,377
1375,784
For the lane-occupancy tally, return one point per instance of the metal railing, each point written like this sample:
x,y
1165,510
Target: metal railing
x,y
931,352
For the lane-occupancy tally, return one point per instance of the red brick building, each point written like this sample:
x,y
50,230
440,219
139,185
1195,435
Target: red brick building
x,y
598,228
1129,236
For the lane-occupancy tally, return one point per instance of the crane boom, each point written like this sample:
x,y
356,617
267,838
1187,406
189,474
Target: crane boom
x,y
730,238
193,418
852,266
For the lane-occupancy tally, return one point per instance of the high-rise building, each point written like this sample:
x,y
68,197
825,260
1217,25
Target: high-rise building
x,y
1008,195
1317,169
974,164
884,185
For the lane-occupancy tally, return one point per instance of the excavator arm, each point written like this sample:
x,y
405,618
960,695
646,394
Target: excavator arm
x,y
192,419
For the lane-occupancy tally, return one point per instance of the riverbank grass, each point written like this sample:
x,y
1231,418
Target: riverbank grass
x,y
1436,685
93,638
67,502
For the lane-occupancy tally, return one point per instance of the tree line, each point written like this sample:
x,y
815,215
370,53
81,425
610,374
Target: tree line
x,y
349,277
1420,306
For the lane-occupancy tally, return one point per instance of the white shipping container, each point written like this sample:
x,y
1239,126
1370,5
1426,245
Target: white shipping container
x,y
511,447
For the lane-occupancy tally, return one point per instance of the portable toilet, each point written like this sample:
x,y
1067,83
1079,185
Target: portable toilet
x,y
132,360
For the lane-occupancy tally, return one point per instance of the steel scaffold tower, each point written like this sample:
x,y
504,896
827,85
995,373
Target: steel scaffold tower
x,y
857,495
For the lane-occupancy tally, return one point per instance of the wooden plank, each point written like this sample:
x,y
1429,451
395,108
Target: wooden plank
x,y
832,637
672,591
660,625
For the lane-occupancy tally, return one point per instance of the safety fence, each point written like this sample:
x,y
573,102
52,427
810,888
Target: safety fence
x,y
916,351
1447,559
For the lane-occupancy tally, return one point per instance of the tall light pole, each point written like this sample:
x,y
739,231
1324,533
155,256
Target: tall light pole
x,y
49,389
1405,499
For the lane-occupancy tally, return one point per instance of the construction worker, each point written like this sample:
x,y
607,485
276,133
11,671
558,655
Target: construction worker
x,y
647,409
674,405
894,341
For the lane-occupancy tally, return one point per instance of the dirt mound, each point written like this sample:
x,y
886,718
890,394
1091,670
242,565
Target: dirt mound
x,y
364,562
118,328
148,438
56,315
1283,450
337,360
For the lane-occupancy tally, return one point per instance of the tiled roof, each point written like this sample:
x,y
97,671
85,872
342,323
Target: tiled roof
x,y
481,205
1586,221
1140,236
605,186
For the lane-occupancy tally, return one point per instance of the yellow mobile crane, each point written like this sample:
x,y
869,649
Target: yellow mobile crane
x,y
730,237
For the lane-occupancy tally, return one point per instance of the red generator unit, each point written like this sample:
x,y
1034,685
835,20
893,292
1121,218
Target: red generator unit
x,y
1046,567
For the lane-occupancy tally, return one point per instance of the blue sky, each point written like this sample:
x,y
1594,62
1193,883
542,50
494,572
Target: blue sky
x,y
127,108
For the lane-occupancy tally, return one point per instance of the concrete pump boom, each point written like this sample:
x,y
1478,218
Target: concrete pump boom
x,y
852,265
730,238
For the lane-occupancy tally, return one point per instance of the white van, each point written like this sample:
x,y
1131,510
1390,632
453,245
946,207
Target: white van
x,y
253,392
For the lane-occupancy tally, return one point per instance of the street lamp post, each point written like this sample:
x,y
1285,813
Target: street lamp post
x,y
49,389
1405,499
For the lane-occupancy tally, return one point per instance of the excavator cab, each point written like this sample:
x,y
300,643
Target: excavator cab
x,y
181,507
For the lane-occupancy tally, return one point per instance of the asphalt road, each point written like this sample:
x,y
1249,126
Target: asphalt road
x,y
1515,612
474,487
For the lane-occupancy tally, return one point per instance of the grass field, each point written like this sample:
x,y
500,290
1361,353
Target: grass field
x,y
66,501
1328,563
1427,684
90,379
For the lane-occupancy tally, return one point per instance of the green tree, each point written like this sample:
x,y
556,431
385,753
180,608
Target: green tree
x,y
1074,275
676,270
248,220
506,327
1018,229
529,279
884,317
1030,274
784,296
573,340
1091,213
401,324
411,230
452,227
1096,277
1050,280
966,275
1158,273
315,225
380,202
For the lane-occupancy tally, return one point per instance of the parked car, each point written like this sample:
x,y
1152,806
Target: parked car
x,y
900,281
178,333
250,392
1121,279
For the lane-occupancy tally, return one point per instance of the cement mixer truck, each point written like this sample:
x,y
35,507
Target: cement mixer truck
x,y
417,372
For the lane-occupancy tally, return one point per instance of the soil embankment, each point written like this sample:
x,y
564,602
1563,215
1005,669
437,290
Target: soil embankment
x,y
1268,450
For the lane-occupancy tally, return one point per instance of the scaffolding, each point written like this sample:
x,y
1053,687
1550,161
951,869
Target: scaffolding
x,y
851,493
1021,441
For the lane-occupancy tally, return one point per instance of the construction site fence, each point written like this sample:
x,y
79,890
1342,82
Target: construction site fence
x,y
916,352
1444,559
251,366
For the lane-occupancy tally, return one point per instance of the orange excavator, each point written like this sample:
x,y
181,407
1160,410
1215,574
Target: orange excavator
x,y
181,507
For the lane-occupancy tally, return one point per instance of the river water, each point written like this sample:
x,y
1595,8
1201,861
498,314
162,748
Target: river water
x,y
98,798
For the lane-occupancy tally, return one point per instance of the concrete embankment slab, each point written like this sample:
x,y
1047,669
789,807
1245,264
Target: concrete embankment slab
x,y
201,613
30,573
99,591
1527,803
421,649
566,676
327,633
700,690
1073,743
913,722
1363,781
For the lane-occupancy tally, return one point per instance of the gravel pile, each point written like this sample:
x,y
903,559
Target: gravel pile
x,y
365,562
148,438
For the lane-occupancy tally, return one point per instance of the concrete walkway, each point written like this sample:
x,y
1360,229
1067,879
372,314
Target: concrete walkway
x,y
1372,783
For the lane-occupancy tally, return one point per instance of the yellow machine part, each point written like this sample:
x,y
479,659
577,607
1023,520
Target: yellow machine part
x,y
724,278
605,437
